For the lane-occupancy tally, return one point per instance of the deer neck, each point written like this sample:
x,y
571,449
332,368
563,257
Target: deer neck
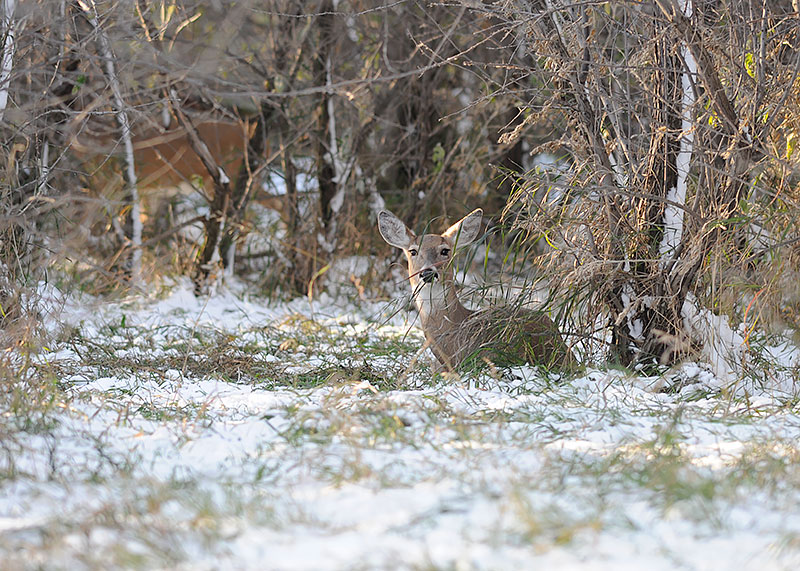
x,y
439,307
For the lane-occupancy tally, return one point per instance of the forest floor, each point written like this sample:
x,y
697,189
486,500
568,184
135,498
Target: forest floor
x,y
175,432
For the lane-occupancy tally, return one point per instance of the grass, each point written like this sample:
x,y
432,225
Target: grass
x,y
168,445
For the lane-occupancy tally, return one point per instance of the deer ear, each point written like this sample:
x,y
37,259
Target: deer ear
x,y
394,231
465,230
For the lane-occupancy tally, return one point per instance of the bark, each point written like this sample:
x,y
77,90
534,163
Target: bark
x,y
301,270
133,220
326,170
9,232
216,221
242,190
9,46
657,312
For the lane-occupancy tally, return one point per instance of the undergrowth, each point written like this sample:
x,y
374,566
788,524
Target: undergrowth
x,y
184,438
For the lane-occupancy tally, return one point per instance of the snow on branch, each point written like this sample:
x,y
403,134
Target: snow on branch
x,y
676,196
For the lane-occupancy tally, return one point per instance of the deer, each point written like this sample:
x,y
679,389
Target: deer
x,y
458,337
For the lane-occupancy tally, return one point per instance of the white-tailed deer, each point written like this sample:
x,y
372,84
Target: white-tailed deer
x,y
457,335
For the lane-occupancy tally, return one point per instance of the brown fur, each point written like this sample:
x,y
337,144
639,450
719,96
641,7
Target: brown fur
x,y
455,334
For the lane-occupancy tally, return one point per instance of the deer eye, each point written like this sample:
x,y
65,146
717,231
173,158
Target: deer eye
x,y
445,252
412,251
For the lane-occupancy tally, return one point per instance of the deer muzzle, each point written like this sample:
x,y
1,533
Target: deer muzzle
x,y
428,275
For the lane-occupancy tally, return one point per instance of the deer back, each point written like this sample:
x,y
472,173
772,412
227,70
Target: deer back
x,y
505,335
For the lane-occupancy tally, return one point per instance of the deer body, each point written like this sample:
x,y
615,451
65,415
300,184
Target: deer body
x,y
502,334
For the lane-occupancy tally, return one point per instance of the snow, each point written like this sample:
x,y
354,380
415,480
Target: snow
x,y
223,176
174,466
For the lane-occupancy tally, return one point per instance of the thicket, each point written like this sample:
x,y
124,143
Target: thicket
x,y
637,155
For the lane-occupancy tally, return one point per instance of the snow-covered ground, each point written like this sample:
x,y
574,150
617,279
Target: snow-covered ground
x,y
225,433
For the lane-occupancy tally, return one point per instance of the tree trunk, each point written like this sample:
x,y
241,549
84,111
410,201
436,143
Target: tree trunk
x,y
326,168
215,224
657,313
132,226
242,191
9,46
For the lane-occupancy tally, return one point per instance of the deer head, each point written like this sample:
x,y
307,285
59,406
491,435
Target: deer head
x,y
429,256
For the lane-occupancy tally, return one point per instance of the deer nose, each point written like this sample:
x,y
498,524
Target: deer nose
x,y
428,275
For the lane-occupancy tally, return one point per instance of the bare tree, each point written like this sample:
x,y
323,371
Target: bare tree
x,y
665,136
